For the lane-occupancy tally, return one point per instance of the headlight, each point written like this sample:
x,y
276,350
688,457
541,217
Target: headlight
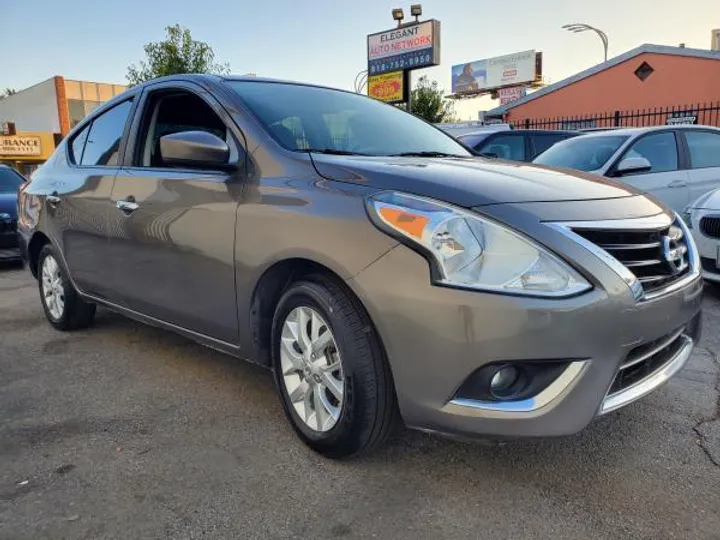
x,y
472,252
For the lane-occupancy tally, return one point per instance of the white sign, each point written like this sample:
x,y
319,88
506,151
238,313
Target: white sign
x,y
510,94
408,47
492,73
20,146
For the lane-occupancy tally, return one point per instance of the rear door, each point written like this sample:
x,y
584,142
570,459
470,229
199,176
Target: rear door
x,y
704,156
666,180
173,255
79,203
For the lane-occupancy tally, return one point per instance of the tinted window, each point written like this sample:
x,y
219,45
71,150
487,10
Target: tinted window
x,y
78,144
542,142
504,147
704,148
174,112
106,131
585,153
10,181
306,117
473,141
659,149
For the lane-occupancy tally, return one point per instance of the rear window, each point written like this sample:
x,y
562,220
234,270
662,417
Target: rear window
x,y
584,153
10,181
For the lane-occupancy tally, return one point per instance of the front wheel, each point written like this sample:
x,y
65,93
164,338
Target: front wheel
x,y
63,307
332,375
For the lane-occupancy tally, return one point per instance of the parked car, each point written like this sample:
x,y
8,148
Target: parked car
x,y
473,126
704,219
516,145
365,257
10,182
675,164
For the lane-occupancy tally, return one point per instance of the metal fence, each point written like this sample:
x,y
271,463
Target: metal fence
x,y
704,114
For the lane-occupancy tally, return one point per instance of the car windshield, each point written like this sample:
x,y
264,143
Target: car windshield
x,y
10,181
308,118
584,153
476,138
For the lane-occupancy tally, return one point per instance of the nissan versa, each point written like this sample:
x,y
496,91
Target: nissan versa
x,y
365,257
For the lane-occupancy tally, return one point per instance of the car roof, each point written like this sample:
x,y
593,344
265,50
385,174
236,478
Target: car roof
x,y
632,132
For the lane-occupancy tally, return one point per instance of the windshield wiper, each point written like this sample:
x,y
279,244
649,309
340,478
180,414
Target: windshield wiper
x,y
425,154
332,152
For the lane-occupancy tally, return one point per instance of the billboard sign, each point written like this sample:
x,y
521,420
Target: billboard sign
x,y
511,93
388,87
493,73
408,47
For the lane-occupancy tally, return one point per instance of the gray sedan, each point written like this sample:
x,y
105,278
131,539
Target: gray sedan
x,y
370,261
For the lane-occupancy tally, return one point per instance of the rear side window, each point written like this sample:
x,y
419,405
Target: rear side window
x,y
542,142
103,141
659,149
505,147
704,149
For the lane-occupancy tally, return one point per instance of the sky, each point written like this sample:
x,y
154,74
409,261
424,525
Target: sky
x,y
324,41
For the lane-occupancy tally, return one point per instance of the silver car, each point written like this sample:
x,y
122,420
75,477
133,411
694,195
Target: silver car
x,y
365,257
676,164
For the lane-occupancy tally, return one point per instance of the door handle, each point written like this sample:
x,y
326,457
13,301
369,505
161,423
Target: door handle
x,y
127,206
678,184
53,200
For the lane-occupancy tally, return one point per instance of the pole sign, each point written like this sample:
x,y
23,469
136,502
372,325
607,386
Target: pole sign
x,y
389,87
413,46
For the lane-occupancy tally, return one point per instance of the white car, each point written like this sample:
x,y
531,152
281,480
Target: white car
x,y
704,218
676,164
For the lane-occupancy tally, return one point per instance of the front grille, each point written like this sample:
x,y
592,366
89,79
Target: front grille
x,y
646,359
657,258
710,226
709,265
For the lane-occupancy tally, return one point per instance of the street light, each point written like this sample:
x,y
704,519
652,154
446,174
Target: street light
x,y
416,11
398,15
578,28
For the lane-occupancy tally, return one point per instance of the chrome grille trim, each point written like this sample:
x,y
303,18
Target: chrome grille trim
x,y
710,226
677,230
652,351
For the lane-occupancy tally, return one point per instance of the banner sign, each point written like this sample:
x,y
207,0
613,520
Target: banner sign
x,y
511,93
388,87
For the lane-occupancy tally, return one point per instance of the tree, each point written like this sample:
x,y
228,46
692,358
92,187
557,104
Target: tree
x,y
178,53
427,101
7,92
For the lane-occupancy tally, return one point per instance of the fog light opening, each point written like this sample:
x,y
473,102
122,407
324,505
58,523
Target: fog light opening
x,y
503,383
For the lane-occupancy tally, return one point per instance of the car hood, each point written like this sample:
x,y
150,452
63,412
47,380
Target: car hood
x,y
469,182
708,201
8,203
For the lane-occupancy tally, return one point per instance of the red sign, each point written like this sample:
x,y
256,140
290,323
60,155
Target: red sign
x,y
510,94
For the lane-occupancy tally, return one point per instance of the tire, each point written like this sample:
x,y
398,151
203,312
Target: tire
x,y
64,308
368,411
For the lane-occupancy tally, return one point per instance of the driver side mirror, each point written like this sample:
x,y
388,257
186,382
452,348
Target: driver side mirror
x,y
632,165
194,149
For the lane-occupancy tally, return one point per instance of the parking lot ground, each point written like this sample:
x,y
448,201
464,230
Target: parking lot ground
x,y
126,431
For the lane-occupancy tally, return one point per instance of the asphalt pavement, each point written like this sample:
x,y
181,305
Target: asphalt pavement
x,y
126,431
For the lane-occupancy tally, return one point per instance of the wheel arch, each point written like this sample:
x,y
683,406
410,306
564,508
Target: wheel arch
x,y
35,246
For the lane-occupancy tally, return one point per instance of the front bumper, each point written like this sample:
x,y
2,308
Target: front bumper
x,y
708,248
9,244
435,337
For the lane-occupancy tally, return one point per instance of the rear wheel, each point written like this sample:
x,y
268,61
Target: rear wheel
x,y
63,307
333,378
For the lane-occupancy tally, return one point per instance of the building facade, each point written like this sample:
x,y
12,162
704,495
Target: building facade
x,y
37,118
650,76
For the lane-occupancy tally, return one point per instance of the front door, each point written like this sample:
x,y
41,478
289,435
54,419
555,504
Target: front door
x,y
665,180
173,229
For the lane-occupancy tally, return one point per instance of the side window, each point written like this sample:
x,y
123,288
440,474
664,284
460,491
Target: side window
x,y
78,145
103,141
505,147
704,149
171,112
542,142
659,149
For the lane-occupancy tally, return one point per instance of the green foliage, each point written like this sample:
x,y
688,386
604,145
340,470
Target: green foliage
x,y
178,53
428,102
7,92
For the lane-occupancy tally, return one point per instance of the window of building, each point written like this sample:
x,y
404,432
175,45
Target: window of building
x,y
106,131
704,149
644,71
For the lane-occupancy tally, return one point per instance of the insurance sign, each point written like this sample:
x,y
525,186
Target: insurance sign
x,y
408,47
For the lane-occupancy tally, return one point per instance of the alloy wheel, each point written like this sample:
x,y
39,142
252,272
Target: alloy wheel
x,y
52,288
312,369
